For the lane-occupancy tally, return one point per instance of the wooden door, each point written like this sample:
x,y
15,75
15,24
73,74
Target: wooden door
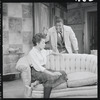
x,y
92,29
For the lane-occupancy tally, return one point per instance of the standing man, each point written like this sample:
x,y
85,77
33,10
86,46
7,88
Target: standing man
x,y
60,37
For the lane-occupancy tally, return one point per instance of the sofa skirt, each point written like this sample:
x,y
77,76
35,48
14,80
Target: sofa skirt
x,y
79,92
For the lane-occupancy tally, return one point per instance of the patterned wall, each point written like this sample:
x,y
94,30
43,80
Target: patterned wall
x,y
77,20
75,16
17,32
61,13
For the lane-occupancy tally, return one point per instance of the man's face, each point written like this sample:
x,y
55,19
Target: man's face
x,y
41,45
59,26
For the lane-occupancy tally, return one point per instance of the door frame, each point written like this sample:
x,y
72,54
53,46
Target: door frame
x,y
86,35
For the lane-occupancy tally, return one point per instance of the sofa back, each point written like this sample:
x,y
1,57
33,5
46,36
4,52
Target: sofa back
x,y
72,62
67,62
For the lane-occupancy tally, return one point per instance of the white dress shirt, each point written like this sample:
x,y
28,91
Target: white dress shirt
x,y
38,58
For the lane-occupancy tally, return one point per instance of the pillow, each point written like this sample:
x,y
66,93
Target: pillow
x,y
22,64
77,79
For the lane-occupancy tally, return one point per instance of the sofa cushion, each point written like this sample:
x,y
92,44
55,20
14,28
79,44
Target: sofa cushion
x,y
40,87
76,79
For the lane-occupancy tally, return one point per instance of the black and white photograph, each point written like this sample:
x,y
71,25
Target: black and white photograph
x,y
50,49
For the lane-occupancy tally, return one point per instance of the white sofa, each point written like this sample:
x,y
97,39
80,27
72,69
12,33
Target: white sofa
x,y
75,65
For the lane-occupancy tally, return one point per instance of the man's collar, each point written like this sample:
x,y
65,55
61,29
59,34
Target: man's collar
x,y
61,30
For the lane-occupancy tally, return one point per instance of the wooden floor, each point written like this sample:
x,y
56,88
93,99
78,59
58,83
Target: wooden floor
x,y
13,89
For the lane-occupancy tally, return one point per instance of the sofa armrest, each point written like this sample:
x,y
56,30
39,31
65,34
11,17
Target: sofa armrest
x,y
23,66
25,74
93,64
27,91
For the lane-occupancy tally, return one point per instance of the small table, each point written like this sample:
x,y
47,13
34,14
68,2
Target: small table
x,y
15,74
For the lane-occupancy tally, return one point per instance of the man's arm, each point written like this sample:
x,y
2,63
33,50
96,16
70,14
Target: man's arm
x,y
73,40
76,51
38,66
34,62
52,73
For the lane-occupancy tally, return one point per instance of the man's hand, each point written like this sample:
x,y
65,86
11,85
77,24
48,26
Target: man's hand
x,y
76,51
63,51
55,53
34,84
56,73
52,73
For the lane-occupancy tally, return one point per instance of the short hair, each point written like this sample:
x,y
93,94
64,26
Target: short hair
x,y
58,20
37,38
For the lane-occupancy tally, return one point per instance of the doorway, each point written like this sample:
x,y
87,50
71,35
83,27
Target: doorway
x,y
92,29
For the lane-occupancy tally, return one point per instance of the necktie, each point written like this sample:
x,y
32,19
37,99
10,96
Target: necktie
x,y
60,35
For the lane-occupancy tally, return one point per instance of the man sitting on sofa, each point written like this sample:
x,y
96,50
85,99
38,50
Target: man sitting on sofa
x,y
37,59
